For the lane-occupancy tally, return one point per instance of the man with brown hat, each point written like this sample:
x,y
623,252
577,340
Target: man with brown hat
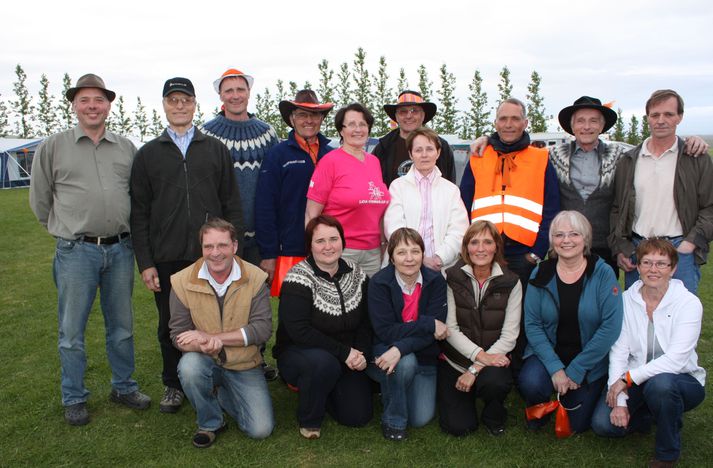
x,y
410,112
80,193
282,185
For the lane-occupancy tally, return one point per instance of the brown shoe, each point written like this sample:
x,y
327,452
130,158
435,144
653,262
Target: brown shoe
x,y
310,432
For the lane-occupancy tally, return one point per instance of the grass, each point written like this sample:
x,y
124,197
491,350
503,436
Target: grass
x,y
33,431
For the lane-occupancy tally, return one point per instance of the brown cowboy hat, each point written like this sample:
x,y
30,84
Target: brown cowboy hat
x,y
586,102
411,98
305,99
90,80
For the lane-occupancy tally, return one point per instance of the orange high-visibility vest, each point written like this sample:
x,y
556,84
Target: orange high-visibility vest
x,y
515,209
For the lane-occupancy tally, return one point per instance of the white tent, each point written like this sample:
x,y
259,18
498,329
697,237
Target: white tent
x,y
16,161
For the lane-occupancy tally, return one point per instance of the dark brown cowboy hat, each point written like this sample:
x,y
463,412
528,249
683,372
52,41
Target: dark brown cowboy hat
x,y
305,99
411,98
586,102
90,80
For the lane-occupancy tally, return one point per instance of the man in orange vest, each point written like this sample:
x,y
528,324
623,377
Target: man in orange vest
x,y
514,186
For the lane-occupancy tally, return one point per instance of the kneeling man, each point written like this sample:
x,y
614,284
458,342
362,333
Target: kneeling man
x,y
220,315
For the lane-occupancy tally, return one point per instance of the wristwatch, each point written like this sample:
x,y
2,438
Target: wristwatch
x,y
473,371
534,257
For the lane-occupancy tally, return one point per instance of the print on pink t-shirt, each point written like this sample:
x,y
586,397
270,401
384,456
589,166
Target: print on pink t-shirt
x,y
353,192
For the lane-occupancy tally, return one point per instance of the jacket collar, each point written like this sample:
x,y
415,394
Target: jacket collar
x,y
166,138
201,285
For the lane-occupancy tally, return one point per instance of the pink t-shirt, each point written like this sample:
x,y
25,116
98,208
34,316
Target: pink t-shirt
x,y
353,192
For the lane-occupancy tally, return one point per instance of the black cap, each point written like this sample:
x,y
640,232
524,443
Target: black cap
x,y
181,85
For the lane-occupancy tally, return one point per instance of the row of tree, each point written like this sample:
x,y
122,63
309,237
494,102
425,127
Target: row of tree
x,y
49,114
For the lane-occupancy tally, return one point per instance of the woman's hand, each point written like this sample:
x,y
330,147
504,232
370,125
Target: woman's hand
x,y
562,383
465,382
614,391
387,361
441,332
434,263
494,360
356,360
619,416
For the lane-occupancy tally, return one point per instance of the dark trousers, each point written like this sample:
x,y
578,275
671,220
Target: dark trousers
x,y
326,385
519,265
605,254
457,412
169,353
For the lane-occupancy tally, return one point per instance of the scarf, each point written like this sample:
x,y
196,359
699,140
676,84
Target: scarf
x,y
506,154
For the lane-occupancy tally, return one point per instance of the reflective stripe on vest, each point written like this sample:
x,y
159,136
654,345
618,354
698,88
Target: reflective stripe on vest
x,y
517,209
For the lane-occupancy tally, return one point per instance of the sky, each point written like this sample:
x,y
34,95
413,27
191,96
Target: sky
x,y
615,50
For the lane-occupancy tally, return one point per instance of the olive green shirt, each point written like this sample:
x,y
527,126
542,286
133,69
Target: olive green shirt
x,y
78,188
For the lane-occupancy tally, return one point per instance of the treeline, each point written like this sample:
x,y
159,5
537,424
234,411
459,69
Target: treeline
x,y
28,116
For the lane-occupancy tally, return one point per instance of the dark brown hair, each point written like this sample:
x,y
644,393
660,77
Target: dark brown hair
x,y
476,228
661,95
407,236
426,132
354,106
327,220
219,225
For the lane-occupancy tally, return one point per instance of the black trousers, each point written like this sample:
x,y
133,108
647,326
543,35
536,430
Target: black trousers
x,y
169,353
457,413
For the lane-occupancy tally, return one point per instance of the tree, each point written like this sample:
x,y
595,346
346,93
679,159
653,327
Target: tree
x,y
476,121
265,108
535,105
293,89
362,81
403,81
198,117
632,136
121,122
66,116
344,91
46,113
22,107
505,86
156,124
382,96
447,118
424,85
325,90
141,120
618,134
645,130
4,119
278,124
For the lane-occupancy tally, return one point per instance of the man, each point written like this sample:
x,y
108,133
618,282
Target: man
x,y
178,181
80,193
410,112
643,207
249,139
282,184
220,314
514,186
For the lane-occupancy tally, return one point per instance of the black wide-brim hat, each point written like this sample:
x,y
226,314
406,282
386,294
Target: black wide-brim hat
x,y
305,99
586,102
411,98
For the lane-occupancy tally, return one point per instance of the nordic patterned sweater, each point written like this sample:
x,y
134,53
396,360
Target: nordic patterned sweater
x,y
248,142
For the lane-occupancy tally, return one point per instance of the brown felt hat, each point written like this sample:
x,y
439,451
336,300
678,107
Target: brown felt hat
x,y
305,99
90,80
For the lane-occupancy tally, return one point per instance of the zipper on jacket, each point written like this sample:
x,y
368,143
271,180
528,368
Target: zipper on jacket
x,y
188,192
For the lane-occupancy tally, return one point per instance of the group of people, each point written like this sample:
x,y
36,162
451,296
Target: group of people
x,y
386,270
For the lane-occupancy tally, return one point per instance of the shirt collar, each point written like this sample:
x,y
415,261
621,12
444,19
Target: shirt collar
x,y
79,133
645,148
402,283
431,177
189,133
579,148
220,288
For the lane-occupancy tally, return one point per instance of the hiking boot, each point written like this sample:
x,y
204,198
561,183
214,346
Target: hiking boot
x,y
171,401
77,414
134,400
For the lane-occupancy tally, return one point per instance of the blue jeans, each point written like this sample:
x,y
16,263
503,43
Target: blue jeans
x,y
409,394
686,270
79,269
242,394
536,387
664,397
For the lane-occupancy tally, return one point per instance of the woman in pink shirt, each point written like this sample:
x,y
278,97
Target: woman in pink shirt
x,y
347,184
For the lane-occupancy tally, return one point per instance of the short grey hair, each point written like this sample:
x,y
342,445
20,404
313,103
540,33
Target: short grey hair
x,y
579,224
515,101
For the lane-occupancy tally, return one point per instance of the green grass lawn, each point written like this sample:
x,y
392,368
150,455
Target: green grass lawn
x,y
33,431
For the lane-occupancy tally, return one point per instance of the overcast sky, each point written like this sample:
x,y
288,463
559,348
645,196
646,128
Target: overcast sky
x,y
615,50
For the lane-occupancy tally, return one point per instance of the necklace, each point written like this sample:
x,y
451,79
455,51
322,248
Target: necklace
x,y
576,272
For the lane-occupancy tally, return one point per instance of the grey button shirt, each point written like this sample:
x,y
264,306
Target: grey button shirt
x,y
78,188
584,171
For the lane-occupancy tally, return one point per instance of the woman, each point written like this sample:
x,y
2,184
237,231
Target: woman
x,y
573,314
653,366
324,335
425,201
347,184
484,307
407,307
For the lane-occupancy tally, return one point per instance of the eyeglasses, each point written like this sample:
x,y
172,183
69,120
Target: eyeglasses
x,y
404,111
306,115
355,125
564,235
173,101
660,264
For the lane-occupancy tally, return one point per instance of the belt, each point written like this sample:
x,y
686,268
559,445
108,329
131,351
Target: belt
x,y
669,238
104,240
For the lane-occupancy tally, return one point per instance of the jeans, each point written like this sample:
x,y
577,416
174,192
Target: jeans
x,y
212,389
686,269
664,397
536,387
409,394
79,269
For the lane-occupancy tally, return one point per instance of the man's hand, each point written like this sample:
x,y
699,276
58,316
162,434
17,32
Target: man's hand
x,y
268,266
434,263
442,331
686,247
192,336
619,416
387,361
625,262
477,148
212,346
530,260
696,146
150,278
614,391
